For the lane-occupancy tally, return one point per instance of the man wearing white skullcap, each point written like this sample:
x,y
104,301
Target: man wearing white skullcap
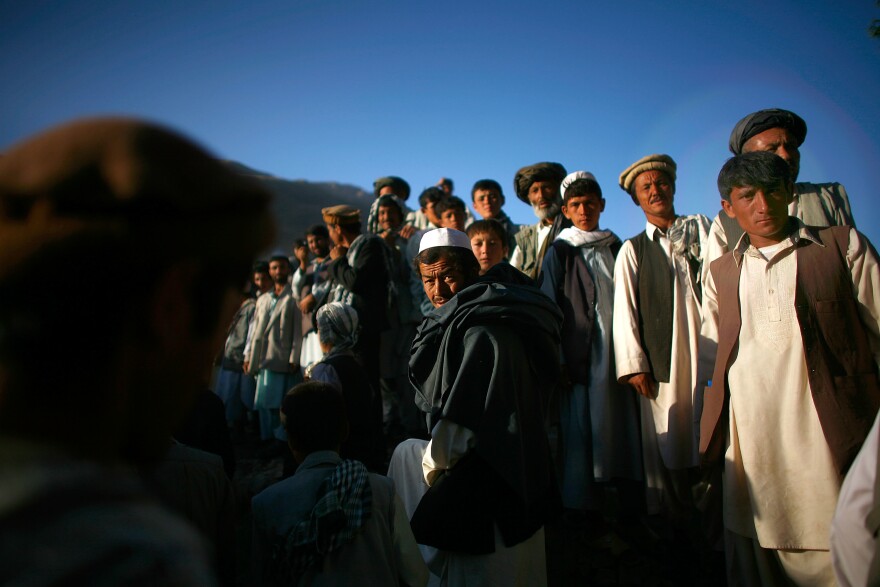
x,y
474,364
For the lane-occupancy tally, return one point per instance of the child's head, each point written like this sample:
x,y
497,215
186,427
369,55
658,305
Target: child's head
x,y
451,211
314,417
489,242
583,203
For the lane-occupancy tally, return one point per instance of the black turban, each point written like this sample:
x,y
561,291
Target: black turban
x,y
528,175
398,185
758,122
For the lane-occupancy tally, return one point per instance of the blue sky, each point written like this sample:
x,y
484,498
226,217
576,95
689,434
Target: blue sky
x,y
350,91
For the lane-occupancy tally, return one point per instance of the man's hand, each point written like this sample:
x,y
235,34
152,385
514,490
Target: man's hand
x,y
407,230
302,254
643,383
246,367
307,304
338,251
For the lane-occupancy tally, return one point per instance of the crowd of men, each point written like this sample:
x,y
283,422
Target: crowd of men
x,y
456,391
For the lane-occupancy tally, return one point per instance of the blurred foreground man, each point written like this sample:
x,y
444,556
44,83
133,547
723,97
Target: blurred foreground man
x,y
94,381
794,312
484,485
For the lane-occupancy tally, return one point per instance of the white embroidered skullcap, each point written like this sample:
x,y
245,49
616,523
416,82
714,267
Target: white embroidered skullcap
x,y
570,179
444,237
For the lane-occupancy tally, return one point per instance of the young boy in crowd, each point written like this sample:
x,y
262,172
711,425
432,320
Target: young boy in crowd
x,y
489,243
332,522
598,420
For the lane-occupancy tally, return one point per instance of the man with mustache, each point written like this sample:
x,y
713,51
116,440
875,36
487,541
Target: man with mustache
x,y
656,327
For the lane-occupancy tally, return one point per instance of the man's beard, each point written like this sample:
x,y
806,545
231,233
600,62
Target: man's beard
x,y
549,212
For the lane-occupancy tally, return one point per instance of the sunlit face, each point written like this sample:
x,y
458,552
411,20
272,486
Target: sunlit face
x,y
453,218
263,282
780,142
432,216
389,217
488,249
488,203
763,214
655,193
279,271
544,198
584,211
441,281
387,191
318,245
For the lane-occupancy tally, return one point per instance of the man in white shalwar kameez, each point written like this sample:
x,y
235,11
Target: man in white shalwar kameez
x,y
794,313
656,328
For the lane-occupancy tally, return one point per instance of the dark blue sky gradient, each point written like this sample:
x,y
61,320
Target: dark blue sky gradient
x,y
347,92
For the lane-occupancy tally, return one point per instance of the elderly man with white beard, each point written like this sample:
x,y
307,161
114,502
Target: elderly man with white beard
x,y
538,186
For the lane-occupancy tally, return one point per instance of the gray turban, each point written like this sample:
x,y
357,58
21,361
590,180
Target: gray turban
x,y
337,325
528,175
758,122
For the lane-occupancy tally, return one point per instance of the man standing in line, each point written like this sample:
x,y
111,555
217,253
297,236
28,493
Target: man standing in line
x,y
272,353
656,329
309,285
794,313
359,270
538,186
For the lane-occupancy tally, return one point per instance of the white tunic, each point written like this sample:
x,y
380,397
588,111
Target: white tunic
x,y
672,409
780,483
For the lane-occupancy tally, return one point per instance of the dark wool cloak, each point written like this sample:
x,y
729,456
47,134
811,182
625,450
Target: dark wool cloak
x,y
487,360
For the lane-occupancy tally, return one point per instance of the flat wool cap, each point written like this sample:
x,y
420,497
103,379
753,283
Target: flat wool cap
x,y
341,214
444,237
757,122
125,182
663,163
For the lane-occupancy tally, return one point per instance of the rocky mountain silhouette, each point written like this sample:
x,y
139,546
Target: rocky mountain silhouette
x,y
297,203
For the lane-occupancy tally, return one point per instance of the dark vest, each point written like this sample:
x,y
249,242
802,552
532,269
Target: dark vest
x,y
655,286
577,300
842,373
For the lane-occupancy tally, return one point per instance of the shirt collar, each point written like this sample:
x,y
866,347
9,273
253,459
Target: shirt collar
x,y
319,458
798,232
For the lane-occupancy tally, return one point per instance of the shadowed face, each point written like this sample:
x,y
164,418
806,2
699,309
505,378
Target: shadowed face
x,y
318,245
762,213
779,142
279,271
488,249
441,281
453,218
655,193
389,217
263,282
544,198
488,203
